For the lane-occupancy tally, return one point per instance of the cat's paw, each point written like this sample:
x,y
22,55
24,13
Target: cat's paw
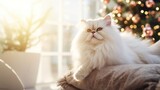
x,y
70,79
78,77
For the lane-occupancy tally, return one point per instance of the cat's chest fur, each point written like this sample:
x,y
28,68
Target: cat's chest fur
x,y
106,54
100,55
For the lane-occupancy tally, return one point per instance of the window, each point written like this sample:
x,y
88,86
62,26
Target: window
x,y
59,31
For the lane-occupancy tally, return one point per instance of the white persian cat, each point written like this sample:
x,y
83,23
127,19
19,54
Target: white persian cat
x,y
100,43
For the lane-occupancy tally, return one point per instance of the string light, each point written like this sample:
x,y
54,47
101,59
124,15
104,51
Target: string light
x,y
153,39
130,15
113,15
139,2
119,15
142,26
134,26
142,11
125,22
156,27
158,33
146,13
128,18
127,1
122,29
142,35
116,20
157,8
131,26
133,18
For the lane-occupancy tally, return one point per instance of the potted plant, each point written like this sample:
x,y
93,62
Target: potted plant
x,y
17,37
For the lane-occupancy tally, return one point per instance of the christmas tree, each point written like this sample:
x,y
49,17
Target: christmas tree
x,y
141,17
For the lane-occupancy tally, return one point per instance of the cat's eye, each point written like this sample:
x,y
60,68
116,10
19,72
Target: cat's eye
x,y
99,28
89,30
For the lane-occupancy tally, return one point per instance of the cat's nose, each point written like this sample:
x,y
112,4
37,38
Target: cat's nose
x,y
93,32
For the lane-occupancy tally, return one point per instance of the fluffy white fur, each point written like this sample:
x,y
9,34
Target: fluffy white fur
x,y
108,47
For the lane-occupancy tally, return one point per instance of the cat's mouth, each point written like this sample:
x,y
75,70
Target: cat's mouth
x,y
94,36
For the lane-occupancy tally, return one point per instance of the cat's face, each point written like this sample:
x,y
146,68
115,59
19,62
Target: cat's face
x,y
96,31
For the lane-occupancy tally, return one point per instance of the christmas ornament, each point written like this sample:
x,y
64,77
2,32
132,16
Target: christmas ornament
x,y
118,9
147,17
133,3
158,19
150,3
152,13
142,5
119,0
128,29
147,31
106,1
136,18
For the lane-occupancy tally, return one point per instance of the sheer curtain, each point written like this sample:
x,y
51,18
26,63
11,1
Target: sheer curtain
x,y
59,31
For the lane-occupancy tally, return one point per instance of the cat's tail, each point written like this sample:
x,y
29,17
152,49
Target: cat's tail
x,y
155,48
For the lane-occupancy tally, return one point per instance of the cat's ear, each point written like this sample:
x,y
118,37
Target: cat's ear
x,y
107,20
83,21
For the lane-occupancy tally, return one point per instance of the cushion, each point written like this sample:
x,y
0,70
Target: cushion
x,y
119,77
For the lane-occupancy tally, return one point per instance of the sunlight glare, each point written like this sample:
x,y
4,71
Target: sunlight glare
x,y
21,8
